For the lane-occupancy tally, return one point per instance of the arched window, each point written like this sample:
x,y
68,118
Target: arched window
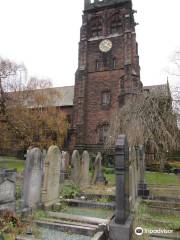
x,y
95,27
105,98
97,65
103,133
115,24
114,62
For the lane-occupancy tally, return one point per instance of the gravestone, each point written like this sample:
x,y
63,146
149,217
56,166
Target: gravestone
x,y
7,192
65,165
133,172
66,161
98,176
143,190
76,167
85,169
44,152
51,185
121,225
62,166
33,176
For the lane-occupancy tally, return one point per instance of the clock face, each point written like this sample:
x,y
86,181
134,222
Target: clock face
x,y
105,45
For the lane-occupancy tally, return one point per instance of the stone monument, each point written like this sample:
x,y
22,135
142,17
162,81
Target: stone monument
x,y
121,225
85,169
7,192
76,167
33,176
142,191
98,176
65,165
51,185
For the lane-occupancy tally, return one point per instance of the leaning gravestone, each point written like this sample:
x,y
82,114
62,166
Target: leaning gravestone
x,y
51,185
85,169
33,178
76,167
7,192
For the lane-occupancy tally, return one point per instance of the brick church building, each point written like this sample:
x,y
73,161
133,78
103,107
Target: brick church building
x,y
108,71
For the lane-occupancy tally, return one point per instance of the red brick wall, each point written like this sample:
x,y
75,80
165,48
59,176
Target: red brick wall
x,y
88,113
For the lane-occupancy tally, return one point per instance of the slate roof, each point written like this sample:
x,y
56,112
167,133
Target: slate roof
x,y
62,97
66,96
160,89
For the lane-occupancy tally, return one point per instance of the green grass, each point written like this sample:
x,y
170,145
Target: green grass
x,y
11,162
8,237
162,178
40,214
172,221
89,212
111,178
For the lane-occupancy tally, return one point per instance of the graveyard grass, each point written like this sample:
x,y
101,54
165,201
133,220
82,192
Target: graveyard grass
x,y
11,163
162,178
147,219
151,177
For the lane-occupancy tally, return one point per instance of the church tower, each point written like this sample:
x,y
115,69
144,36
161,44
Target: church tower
x,y
108,68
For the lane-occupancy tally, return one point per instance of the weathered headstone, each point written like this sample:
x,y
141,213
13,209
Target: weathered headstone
x,y
33,176
121,224
76,167
142,191
85,169
44,152
132,176
66,161
51,185
7,192
64,166
62,161
98,176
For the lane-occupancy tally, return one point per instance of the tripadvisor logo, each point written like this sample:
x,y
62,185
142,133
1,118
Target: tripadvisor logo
x,y
139,231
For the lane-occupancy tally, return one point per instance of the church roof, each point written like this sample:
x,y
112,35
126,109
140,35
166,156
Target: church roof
x,y
67,93
66,96
160,89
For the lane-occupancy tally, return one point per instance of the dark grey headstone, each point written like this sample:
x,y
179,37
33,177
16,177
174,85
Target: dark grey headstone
x,y
143,191
122,179
121,225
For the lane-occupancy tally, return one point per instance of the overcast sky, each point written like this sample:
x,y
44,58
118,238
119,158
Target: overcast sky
x,y
44,35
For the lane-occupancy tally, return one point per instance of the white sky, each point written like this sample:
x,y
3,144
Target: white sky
x,y
44,35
